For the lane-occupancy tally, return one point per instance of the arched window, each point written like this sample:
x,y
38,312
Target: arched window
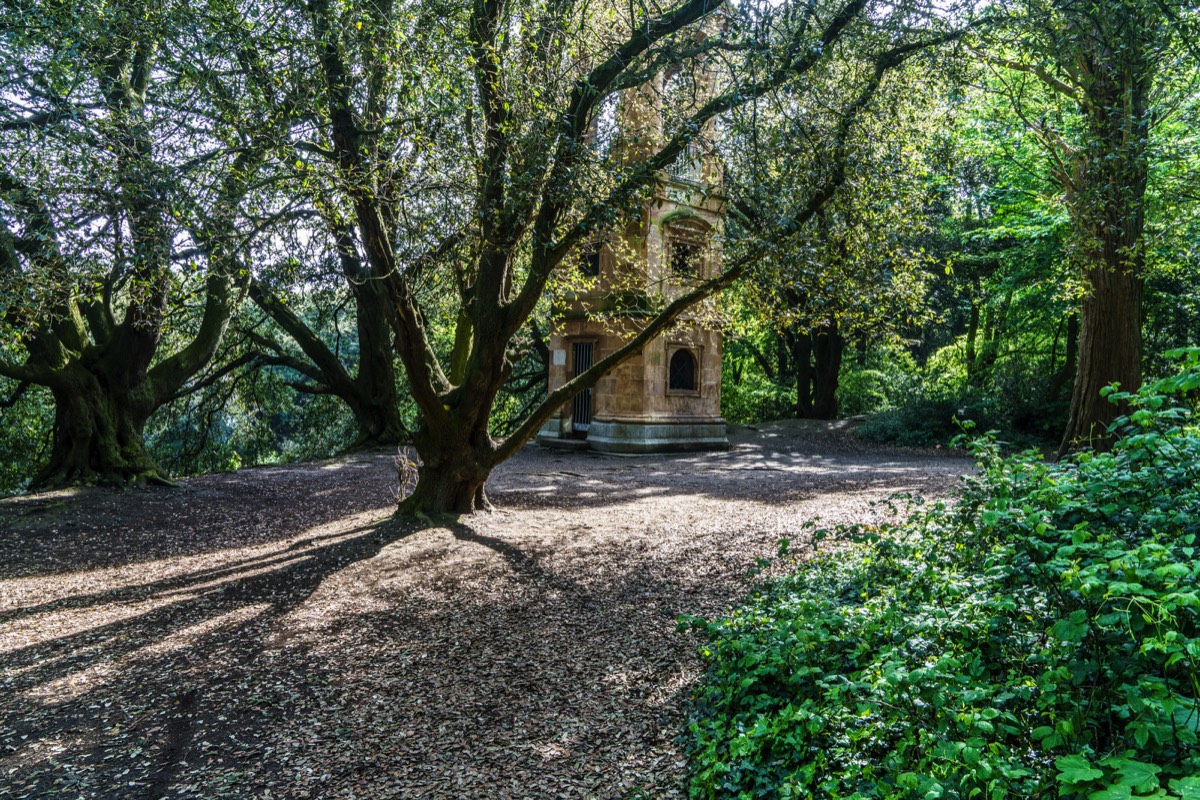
x,y
681,373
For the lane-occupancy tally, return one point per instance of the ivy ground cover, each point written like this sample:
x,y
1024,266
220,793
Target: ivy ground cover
x,y
1037,637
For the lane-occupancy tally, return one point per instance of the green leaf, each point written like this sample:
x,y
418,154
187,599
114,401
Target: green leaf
x,y
1138,775
1186,788
1112,793
1076,769
1066,630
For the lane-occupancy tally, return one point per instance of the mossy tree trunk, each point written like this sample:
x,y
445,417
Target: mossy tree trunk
x,y
452,474
376,403
98,435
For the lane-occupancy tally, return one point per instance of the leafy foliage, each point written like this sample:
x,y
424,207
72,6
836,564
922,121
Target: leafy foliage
x,y
1040,635
255,418
754,399
926,405
28,419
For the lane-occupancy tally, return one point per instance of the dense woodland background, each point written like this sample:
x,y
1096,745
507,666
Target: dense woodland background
x,y
245,234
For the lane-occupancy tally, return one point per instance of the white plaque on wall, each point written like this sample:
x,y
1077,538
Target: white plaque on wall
x,y
560,358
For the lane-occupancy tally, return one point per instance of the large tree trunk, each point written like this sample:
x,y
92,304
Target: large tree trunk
x,y
828,346
453,472
98,437
1117,63
1108,210
1110,351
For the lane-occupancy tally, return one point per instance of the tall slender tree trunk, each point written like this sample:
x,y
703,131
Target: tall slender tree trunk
x,y
972,353
1108,210
800,345
1071,352
828,346
989,350
376,402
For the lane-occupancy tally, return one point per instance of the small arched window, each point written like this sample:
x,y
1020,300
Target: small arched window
x,y
681,373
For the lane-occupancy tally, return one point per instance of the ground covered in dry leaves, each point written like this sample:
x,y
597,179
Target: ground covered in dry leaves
x,y
273,634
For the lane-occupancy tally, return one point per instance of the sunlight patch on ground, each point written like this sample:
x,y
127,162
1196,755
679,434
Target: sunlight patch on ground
x,y
529,651
30,751
155,577
54,624
76,684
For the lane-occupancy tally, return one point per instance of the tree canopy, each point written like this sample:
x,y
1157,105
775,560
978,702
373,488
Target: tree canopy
x,y
230,229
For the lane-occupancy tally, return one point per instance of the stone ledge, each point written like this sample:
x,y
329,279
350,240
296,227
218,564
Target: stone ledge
x,y
625,437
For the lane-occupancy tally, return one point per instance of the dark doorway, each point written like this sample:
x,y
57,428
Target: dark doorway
x,y
581,406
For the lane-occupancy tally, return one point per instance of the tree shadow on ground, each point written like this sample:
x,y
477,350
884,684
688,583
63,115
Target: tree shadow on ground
x,y
761,471
109,713
96,528
545,677
59,687
180,676
46,535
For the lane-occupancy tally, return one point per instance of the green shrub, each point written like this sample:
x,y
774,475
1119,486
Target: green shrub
x,y
260,419
862,391
755,399
920,423
26,431
925,422
929,422
924,401
1039,637
945,372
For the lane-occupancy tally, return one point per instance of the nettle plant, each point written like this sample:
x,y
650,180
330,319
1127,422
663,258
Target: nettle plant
x,y
1038,637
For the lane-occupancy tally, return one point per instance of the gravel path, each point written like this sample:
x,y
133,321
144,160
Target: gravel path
x,y
272,634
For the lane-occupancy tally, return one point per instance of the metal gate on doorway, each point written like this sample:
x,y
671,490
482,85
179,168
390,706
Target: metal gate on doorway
x,y
581,406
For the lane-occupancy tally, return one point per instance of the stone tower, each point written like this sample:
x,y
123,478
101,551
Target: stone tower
x,y
668,397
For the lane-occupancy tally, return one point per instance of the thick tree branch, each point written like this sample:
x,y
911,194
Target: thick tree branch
x,y
817,200
246,359
549,254
327,364
1041,73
